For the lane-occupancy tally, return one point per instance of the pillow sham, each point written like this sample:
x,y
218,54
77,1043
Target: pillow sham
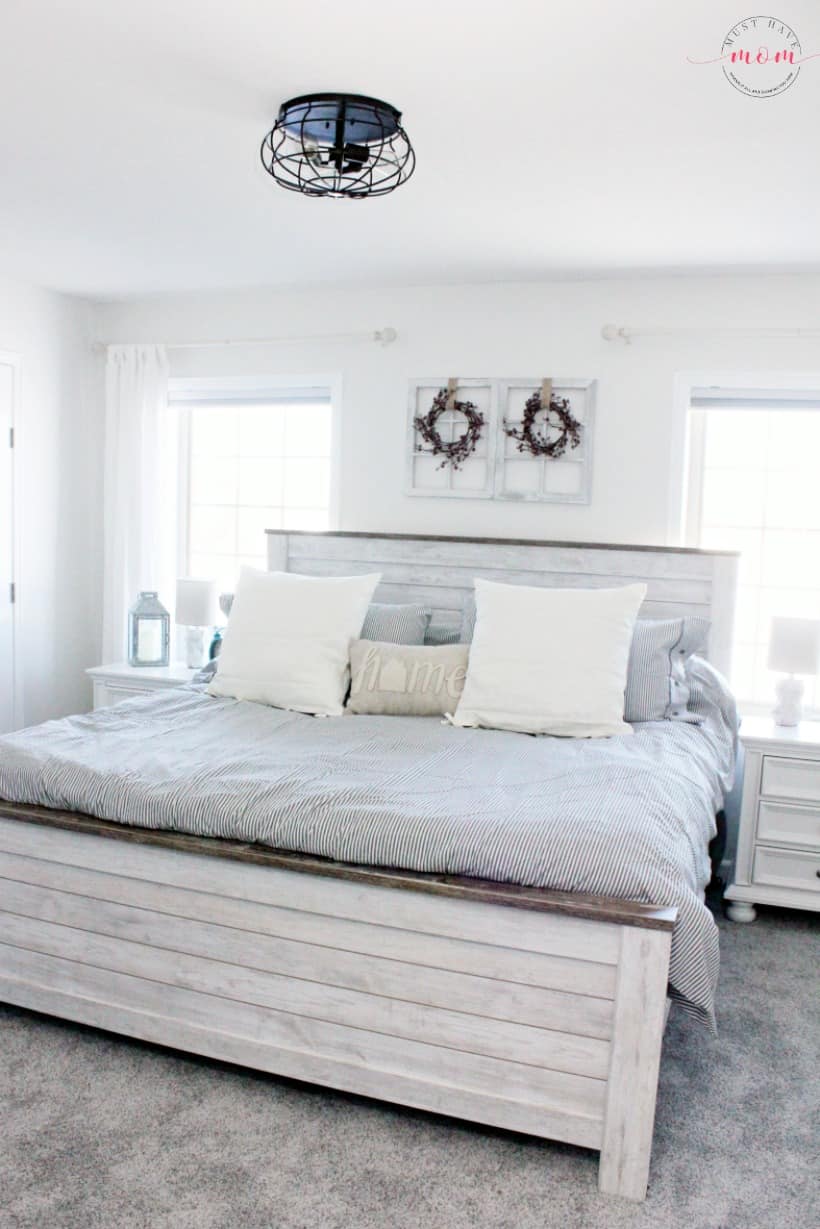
x,y
287,639
549,661
657,688
406,680
395,624
656,684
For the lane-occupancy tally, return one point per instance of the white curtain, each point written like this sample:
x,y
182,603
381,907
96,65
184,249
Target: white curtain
x,y
140,506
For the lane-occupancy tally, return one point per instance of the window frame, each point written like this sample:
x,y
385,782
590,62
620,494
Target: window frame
x,y
789,390
685,385
183,390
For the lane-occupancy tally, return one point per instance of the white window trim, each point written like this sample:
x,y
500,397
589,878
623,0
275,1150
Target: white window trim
x,y
188,388
686,456
680,469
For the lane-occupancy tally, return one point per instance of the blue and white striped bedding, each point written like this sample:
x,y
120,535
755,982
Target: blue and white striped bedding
x,y
625,817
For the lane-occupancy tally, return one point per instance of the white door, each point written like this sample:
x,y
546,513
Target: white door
x,y
7,689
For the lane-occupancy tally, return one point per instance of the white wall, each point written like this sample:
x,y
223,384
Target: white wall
x,y
530,330
57,474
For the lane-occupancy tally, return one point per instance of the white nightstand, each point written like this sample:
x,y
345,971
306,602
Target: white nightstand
x,y
121,681
778,849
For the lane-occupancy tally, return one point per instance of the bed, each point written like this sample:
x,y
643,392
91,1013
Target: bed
x,y
145,890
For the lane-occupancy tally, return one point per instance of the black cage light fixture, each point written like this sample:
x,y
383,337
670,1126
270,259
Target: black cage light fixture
x,y
338,145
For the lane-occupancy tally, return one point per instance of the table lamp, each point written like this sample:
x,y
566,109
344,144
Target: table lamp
x,y
197,611
794,648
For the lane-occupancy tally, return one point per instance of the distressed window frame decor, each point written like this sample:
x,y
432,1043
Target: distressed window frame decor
x,y
508,455
501,454
453,482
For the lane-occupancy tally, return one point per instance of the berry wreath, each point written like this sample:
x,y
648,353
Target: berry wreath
x,y
453,452
538,443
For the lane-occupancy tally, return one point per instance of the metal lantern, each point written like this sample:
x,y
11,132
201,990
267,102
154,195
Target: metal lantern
x,y
149,631
338,145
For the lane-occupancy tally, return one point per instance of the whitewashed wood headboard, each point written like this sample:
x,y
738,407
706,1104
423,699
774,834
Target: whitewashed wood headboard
x,y
439,572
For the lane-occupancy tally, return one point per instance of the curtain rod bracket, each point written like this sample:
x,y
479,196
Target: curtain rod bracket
x,y
614,332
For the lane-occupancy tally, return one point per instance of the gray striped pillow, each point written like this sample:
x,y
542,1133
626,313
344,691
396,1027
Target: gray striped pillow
x,y
657,688
443,633
394,624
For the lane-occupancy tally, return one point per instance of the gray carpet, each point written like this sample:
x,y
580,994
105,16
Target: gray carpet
x,y
102,1132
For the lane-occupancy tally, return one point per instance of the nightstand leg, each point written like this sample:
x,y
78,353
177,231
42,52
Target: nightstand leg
x,y
741,911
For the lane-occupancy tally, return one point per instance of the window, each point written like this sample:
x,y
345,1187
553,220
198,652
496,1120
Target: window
x,y
753,487
250,460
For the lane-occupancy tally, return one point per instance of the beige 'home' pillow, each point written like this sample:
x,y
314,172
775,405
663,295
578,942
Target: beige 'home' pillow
x,y
400,680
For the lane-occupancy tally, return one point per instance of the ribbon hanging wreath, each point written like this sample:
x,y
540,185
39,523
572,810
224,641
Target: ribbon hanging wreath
x,y
538,442
453,452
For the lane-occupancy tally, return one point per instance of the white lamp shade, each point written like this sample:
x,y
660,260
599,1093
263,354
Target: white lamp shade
x,y
794,645
197,603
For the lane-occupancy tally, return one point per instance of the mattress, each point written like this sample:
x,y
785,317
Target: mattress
x,y
629,817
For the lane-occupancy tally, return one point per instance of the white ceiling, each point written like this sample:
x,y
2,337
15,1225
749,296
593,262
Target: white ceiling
x,y
552,138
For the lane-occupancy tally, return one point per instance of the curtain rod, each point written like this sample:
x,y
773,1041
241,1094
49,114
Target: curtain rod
x,y
383,337
624,333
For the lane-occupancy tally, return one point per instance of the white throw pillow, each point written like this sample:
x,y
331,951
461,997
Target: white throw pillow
x,y
288,637
549,661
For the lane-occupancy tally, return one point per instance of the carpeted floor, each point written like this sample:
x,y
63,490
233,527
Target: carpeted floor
x,y
97,1132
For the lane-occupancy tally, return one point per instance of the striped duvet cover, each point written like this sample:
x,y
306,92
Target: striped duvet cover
x,y
629,817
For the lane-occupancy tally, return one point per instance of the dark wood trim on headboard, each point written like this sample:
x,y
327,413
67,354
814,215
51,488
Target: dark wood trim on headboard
x,y
438,537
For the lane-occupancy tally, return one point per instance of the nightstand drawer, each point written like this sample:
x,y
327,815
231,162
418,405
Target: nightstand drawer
x,y
784,869
781,823
123,682
789,778
107,693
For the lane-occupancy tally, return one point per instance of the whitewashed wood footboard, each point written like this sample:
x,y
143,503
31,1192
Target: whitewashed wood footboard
x,y
531,1010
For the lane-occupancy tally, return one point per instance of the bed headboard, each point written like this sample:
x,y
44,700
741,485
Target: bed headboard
x,y
439,571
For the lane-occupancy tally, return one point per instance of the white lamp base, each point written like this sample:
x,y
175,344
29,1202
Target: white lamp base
x,y
789,708
196,647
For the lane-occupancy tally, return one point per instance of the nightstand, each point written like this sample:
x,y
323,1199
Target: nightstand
x,y
121,681
778,849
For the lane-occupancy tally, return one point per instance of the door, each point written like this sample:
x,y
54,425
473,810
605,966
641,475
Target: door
x,y
8,714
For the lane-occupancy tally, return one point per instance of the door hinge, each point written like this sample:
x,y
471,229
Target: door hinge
x,y
12,592
11,437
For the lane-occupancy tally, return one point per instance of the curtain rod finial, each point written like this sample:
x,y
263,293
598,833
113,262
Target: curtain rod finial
x,y
385,336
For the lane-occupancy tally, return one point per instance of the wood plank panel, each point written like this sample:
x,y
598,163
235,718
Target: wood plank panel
x,y
359,1076
447,580
492,998
486,960
523,928
577,1094
557,1051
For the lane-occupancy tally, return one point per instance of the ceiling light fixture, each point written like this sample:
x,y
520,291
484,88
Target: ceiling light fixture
x,y
338,145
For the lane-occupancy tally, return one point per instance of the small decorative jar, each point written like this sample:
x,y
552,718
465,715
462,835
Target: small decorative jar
x,y
149,631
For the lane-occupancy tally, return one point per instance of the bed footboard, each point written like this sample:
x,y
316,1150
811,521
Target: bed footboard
x,y
524,1009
